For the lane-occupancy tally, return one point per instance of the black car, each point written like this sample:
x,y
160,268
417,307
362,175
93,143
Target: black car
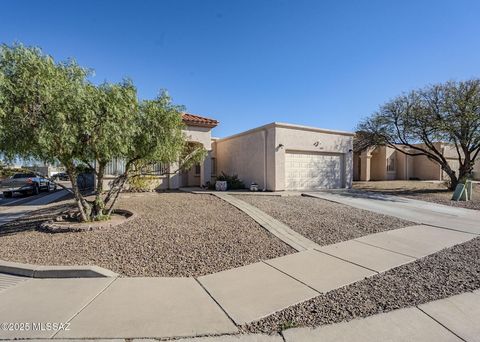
x,y
61,176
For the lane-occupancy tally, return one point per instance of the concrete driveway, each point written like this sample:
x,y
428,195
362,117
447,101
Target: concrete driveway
x,y
15,208
422,212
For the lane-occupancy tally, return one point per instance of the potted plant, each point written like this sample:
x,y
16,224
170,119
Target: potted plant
x,y
225,182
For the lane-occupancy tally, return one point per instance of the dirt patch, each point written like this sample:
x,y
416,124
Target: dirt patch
x,y
424,191
322,221
449,272
174,234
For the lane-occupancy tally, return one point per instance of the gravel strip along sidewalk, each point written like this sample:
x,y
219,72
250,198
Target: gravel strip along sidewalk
x,y
175,234
446,273
322,221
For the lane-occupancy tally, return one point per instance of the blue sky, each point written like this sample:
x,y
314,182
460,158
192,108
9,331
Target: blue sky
x,y
247,63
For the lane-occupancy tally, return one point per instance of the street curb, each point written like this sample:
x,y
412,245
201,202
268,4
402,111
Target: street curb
x,y
43,272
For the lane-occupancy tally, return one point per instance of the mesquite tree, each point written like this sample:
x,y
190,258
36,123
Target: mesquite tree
x,y
51,112
447,113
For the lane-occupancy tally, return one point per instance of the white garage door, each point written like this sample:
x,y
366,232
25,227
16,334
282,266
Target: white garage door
x,y
305,170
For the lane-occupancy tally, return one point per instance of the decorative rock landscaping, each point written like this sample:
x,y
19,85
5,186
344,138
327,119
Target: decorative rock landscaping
x,y
322,221
174,234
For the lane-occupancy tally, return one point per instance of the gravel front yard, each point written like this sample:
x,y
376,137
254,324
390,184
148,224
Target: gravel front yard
x,y
322,221
425,191
175,234
449,272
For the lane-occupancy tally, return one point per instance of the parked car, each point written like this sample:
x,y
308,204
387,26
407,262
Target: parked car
x,y
61,176
26,183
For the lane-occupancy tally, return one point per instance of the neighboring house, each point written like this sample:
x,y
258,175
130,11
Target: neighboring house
x,y
386,163
276,156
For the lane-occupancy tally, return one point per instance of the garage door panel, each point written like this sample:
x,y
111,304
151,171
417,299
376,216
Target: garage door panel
x,y
304,170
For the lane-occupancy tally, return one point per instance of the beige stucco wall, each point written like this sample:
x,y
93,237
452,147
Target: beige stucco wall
x,y
402,166
425,169
202,135
257,155
155,183
476,170
391,153
249,155
378,164
356,167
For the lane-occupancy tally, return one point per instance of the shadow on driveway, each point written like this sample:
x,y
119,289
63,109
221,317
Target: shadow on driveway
x,y
33,219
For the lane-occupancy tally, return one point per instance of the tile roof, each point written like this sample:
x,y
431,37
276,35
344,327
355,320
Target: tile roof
x,y
196,120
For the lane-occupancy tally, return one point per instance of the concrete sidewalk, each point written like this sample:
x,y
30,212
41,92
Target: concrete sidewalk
x,y
212,304
450,319
216,304
453,319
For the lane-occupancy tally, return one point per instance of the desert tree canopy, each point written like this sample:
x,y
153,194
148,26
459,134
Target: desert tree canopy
x,y
414,123
52,112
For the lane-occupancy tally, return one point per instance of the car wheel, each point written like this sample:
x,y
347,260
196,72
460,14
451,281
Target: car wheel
x,y
7,194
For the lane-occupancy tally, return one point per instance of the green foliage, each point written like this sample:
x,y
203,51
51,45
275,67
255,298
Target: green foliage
x,y
49,111
6,172
158,133
83,168
42,104
108,123
142,183
233,182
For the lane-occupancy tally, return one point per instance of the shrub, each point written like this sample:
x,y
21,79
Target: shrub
x,y
233,182
141,183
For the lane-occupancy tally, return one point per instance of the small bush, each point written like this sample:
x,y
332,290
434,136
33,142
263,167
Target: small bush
x,y
233,182
141,183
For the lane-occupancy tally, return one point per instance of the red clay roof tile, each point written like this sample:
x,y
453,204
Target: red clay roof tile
x,y
196,120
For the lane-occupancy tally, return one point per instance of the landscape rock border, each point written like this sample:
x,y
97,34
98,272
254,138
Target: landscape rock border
x,y
53,226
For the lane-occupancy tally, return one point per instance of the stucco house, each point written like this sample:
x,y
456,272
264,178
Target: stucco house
x,y
277,157
386,163
197,129
281,156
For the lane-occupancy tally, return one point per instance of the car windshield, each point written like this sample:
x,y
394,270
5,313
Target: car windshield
x,y
23,175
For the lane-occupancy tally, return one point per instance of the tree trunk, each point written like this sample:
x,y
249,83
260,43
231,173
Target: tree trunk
x,y
118,185
82,204
465,169
99,204
119,190
452,175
